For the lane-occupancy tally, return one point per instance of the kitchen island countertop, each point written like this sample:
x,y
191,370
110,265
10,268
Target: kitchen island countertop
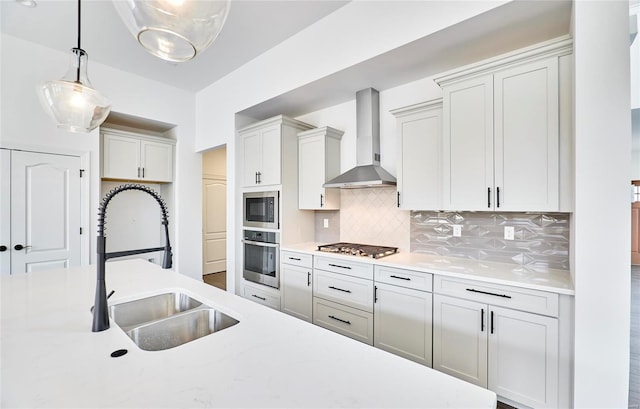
x,y
50,357
552,280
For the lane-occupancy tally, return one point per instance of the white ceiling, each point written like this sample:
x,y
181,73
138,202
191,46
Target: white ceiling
x,y
252,27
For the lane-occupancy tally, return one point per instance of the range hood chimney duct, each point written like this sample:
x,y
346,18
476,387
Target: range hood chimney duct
x,y
368,172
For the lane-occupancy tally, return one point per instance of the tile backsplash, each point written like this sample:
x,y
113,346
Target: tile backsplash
x,y
541,240
370,216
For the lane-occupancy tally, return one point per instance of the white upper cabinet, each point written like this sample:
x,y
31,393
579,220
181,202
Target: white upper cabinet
x,y
129,156
262,145
501,133
318,162
419,133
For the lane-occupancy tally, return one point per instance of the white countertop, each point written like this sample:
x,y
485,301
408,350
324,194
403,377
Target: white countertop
x,y
50,357
557,281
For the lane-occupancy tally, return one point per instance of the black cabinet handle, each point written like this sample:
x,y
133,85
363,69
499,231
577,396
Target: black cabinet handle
x,y
473,290
492,322
339,289
258,297
498,197
400,278
256,178
259,178
294,258
138,172
308,279
321,197
375,294
398,199
20,247
338,319
482,320
489,197
143,173
3,248
337,265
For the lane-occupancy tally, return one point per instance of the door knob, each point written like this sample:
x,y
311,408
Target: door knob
x,y
3,248
20,247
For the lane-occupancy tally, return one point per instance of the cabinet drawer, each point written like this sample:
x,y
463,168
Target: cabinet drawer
x,y
261,297
403,278
355,269
296,259
352,291
539,302
347,321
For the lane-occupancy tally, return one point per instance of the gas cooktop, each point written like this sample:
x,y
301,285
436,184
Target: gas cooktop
x,y
362,250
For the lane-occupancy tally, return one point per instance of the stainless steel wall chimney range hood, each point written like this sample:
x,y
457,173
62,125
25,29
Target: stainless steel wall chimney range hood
x,y
368,172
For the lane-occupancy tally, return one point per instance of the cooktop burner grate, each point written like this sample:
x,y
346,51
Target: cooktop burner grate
x,y
355,249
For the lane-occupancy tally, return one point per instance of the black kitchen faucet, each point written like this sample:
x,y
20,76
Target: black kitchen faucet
x,y
100,311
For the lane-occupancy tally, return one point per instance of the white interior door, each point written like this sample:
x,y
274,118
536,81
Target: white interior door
x,y
214,230
45,211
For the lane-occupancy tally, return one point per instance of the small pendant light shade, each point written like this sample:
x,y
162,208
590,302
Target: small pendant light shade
x,y
72,101
174,30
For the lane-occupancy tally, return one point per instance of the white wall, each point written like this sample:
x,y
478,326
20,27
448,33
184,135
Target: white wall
x,y
24,123
602,212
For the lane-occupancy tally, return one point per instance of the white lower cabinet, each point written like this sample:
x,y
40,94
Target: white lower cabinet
x,y
295,273
352,322
402,323
264,296
513,353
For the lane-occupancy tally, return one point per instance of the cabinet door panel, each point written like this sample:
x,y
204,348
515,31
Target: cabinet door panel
x,y
402,322
121,157
526,137
252,160
270,168
296,291
523,357
312,172
460,339
157,161
468,145
420,173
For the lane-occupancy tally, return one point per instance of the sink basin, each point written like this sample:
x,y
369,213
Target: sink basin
x,y
133,313
180,329
167,320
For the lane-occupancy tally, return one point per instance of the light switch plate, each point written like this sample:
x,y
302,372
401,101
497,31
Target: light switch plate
x,y
509,233
457,230
325,223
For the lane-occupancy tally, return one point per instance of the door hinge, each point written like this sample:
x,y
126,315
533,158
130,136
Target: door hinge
x,y
81,172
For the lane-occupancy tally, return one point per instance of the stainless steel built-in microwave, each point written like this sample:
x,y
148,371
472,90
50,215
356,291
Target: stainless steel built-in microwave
x,y
261,209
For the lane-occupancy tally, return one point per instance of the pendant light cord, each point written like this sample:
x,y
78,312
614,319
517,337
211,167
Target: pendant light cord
x,y
79,52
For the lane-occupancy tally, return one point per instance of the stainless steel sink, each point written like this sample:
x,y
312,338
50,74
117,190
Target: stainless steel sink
x,y
180,329
167,320
143,310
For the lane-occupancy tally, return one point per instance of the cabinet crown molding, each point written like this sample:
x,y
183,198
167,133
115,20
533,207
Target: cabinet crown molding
x,y
553,48
278,120
419,107
325,130
128,134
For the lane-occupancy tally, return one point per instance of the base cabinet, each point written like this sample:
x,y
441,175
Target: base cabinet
x,y
264,296
513,353
402,322
297,295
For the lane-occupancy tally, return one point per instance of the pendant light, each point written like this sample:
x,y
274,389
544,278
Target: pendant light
x,y
72,101
174,30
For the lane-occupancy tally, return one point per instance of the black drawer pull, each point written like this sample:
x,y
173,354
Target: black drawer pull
x,y
482,320
492,322
339,289
337,265
338,319
400,278
294,258
473,290
258,297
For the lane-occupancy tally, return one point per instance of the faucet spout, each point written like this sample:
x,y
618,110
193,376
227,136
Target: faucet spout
x,y
100,309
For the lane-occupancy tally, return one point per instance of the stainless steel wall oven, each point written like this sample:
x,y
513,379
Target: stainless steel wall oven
x,y
261,257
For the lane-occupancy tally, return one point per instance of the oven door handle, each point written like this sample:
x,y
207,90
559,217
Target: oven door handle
x,y
260,243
